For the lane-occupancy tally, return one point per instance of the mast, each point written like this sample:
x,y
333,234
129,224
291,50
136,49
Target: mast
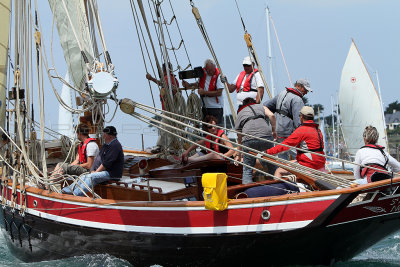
x,y
270,53
164,48
253,53
383,113
5,12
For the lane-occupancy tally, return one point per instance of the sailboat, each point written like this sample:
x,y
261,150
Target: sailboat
x,y
359,101
170,218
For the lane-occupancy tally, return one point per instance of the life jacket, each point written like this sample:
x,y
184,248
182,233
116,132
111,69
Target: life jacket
x,y
287,113
321,146
216,146
173,80
255,116
82,150
247,82
213,81
364,171
174,83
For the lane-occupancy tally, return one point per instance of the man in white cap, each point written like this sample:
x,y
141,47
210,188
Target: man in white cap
x,y
308,137
248,83
286,106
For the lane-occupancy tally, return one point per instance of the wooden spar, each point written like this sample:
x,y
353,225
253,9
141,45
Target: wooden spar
x,y
202,28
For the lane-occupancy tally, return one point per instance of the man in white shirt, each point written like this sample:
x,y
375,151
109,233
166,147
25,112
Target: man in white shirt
x,y
247,84
210,91
88,150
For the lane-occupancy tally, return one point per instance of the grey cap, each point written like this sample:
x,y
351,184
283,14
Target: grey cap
x,y
305,83
307,111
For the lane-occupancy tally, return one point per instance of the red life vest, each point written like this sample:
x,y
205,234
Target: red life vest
x,y
216,147
173,80
242,107
294,91
247,82
82,150
367,171
174,83
213,81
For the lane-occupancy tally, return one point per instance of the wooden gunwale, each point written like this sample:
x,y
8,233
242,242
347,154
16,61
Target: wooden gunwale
x,y
109,202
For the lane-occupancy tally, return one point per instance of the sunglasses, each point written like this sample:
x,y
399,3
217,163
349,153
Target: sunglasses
x,y
246,65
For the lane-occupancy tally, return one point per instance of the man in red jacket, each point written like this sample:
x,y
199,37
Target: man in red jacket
x,y
307,136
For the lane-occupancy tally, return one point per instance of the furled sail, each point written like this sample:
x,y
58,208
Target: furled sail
x,y
359,102
4,35
65,119
73,30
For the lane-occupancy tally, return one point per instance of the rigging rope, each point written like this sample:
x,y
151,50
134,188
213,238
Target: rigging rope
x,y
133,8
289,163
148,109
280,49
148,120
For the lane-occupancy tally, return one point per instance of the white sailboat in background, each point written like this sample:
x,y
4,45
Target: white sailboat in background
x,y
359,102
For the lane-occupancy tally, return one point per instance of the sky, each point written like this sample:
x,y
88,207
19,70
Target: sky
x,y
315,37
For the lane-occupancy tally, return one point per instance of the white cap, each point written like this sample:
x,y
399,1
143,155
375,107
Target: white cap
x,y
307,111
247,61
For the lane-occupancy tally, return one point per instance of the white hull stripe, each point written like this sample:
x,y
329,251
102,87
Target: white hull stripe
x,y
174,230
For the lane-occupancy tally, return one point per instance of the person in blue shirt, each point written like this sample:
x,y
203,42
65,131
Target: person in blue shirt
x,y
107,165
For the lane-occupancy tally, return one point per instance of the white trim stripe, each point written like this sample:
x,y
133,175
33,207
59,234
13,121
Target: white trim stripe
x,y
174,230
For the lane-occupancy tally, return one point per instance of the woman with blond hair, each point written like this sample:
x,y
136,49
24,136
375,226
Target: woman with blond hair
x,y
372,155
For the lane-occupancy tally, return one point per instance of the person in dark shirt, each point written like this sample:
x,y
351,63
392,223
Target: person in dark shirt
x,y
107,165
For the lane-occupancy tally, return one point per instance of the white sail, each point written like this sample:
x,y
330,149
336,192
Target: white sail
x,y
73,30
4,34
65,120
359,102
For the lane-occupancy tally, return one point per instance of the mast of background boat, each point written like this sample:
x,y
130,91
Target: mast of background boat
x,y
270,52
253,54
337,127
333,128
383,113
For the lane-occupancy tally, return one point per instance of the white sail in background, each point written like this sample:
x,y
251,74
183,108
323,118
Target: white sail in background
x,y
65,119
359,102
73,37
4,35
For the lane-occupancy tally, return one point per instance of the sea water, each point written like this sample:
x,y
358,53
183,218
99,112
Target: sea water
x,y
385,253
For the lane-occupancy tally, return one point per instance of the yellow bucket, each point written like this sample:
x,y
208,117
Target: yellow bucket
x,y
215,191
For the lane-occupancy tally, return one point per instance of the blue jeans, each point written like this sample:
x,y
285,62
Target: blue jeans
x,y
285,155
96,178
261,146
